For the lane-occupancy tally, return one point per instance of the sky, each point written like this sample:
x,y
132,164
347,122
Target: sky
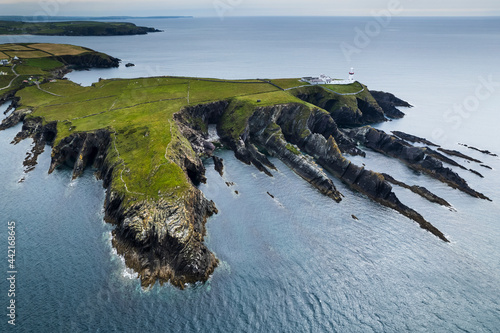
x,y
248,7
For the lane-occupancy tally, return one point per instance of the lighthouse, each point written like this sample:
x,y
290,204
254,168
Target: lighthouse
x,y
351,75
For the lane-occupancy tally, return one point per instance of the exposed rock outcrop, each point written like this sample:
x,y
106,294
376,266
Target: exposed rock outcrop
x,y
89,60
413,138
484,151
388,102
193,122
218,165
276,127
349,110
14,118
420,190
163,239
420,159
459,154
81,150
265,130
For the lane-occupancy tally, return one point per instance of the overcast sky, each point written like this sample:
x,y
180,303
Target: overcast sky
x,y
248,7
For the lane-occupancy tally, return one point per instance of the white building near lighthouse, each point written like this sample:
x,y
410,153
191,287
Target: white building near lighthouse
x,y
323,79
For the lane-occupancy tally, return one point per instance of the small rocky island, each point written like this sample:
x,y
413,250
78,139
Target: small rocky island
x,y
146,139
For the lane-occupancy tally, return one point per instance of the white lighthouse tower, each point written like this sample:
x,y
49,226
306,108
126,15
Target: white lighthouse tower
x,y
351,75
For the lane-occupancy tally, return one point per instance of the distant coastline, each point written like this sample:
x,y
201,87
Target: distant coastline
x,y
84,18
73,28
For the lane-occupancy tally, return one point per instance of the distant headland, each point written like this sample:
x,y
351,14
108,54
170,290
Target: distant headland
x,y
72,28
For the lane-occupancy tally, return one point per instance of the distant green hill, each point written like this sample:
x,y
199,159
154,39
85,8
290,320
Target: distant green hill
x,y
72,28
87,18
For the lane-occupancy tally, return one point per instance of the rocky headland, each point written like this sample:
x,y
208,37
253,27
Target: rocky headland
x,y
149,153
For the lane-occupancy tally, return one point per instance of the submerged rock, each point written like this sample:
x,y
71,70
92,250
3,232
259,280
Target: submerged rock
x,y
459,154
484,151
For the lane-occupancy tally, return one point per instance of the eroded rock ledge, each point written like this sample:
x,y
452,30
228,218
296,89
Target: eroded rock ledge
x,y
294,133
421,159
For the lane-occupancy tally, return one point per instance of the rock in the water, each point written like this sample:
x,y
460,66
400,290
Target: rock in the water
x,y
413,138
459,154
476,173
420,190
218,165
484,151
388,102
421,159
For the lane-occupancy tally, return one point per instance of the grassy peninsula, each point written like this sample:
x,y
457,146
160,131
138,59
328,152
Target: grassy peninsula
x,y
146,137
73,28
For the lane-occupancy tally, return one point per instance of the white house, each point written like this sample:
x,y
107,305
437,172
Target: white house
x,y
4,62
322,79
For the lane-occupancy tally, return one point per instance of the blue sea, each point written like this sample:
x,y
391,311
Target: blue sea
x,y
297,262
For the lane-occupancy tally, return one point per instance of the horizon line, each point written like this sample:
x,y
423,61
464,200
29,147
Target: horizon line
x,y
249,16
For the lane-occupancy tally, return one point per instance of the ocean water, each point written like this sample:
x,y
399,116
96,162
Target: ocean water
x,y
298,262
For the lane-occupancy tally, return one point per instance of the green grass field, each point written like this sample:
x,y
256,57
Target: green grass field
x,y
344,88
139,112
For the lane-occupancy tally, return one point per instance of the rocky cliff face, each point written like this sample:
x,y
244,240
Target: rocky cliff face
x,y
372,184
388,102
346,110
286,131
161,239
